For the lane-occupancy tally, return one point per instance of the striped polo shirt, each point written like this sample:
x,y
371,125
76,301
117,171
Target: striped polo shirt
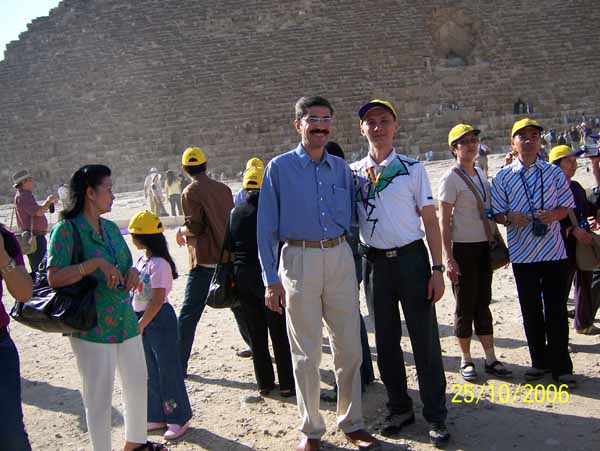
x,y
510,190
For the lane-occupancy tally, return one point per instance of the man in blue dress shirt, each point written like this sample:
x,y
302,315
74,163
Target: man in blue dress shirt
x,y
305,202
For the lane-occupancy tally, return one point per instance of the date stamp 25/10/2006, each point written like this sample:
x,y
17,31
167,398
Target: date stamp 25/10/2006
x,y
510,393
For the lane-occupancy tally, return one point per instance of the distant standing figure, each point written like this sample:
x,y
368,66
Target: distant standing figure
x,y
30,215
173,190
157,195
148,189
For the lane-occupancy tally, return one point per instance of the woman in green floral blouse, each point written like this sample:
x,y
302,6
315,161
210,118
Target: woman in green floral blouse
x,y
115,341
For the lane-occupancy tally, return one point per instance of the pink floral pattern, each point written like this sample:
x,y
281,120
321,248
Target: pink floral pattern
x,y
116,319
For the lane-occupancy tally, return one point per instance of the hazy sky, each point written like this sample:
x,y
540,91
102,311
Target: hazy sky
x,y
16,14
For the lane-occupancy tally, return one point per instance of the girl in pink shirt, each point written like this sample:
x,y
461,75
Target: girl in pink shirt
x,y
168,402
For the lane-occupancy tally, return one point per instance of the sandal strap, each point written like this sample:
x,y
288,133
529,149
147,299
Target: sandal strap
x,y
151,446
466,365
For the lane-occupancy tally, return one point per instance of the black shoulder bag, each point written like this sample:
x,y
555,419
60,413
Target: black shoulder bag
x,y
222,292
64,310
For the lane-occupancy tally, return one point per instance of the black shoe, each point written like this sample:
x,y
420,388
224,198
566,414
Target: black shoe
x,y
438,434
534,374
394,423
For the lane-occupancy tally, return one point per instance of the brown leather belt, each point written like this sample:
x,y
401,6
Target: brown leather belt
x,y
323,244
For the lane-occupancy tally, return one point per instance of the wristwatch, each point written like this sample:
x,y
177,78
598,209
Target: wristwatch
x,y
440,268
9,267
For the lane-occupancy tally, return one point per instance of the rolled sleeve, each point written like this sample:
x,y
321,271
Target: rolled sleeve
x,y
422,191
268,225
447,191
60,249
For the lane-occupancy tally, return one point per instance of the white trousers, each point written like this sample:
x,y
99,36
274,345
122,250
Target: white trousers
x,y
321,286
96,363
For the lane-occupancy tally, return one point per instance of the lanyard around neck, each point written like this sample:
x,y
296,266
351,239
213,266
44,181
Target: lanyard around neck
x,y
482,190
531,197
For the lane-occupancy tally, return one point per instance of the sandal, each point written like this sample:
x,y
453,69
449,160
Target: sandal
x,y
151,446
467,371
497,369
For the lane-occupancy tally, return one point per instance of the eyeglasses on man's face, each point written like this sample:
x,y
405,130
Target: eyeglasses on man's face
x,y
314,120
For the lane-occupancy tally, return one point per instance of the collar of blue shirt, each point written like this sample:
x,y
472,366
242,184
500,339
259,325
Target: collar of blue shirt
x,y
305,158
518,166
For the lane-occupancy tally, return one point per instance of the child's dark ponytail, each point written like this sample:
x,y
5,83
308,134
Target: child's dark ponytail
x,y
157,245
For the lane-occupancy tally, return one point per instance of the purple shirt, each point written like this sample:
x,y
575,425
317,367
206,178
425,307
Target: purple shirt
x,y
4,318
26,206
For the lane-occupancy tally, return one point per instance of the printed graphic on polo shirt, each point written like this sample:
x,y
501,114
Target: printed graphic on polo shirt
x,y
370,186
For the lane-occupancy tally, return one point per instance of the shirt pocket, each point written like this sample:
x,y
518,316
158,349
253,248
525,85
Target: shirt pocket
x,y
340,203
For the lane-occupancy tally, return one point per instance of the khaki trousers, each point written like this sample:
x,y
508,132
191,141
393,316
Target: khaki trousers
x,y
320,285
97,363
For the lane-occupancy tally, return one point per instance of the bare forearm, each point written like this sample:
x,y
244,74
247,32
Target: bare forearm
x,y
18,282
60,277
446,214
158,297
433,234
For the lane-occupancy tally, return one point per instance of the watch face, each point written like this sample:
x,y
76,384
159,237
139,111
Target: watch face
x,y
440,268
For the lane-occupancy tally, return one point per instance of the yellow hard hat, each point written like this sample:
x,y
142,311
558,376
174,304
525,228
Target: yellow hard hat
x,y
563,151
145,223
253,178
460,130
255,163
193,156
377,103
523,123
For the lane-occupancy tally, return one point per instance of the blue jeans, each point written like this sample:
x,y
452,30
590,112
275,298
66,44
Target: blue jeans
x,y
194,301
168,400
12,429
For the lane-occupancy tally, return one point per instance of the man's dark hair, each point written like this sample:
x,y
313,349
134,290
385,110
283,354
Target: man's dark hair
x,y
304,103
195,170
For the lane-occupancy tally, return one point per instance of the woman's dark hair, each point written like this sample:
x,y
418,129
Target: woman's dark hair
x,y
170,177
157,245
10,243
88,176
195,170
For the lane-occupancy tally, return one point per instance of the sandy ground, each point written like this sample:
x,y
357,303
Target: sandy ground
x,y
510,418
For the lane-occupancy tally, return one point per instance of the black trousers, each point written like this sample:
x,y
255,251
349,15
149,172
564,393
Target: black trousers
x,y
542,289
262,322
404,278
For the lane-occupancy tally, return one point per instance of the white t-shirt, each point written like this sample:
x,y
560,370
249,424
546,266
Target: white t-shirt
x,y
387,203
467,226
154,273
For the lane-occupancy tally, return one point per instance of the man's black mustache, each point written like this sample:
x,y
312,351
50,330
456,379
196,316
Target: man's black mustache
x,y
326,132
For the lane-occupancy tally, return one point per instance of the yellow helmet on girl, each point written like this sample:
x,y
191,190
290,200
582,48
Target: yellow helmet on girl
x,y
145,223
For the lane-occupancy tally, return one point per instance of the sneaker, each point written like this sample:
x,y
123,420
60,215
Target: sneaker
x,y
394,423
175,431
438,434
467,371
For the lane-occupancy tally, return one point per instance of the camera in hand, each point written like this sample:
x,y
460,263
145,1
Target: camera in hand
x,y
51,208
539,228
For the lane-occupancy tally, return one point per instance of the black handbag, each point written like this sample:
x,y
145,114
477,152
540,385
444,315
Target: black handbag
x,y
64,310
222,292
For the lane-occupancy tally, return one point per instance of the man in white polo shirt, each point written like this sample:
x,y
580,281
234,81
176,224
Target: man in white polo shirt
x,y
393,197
